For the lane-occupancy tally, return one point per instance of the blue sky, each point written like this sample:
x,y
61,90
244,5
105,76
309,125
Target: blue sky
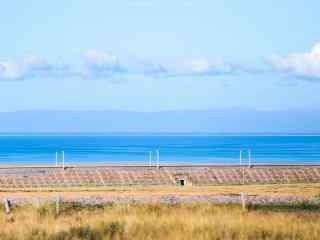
x,y
147,55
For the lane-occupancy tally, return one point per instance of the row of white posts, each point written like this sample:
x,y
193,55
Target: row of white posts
x,y
241,158
150,159
158,158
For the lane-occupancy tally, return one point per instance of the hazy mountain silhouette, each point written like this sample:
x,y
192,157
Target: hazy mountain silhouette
x,y
208,121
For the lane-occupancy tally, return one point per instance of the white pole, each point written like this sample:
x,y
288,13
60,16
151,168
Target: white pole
x,y
243,201
249,153
158,158
150,158
240,157
56,159
63,159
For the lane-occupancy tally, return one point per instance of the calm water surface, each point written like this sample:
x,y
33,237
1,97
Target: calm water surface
x,y
31,149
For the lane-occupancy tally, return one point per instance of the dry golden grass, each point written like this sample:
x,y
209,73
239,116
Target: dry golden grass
x,y
160,221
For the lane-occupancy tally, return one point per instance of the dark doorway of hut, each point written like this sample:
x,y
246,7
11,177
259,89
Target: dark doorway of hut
x,y
182,182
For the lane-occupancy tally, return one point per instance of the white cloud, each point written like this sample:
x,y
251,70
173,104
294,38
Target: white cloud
x,y
9,71
155,69
102,59
37,67
200,65
34,67
206,66
102,65
303,65
193,67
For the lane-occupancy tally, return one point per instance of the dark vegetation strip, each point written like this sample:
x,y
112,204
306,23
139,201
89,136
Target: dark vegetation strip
x,y
103,231
74,207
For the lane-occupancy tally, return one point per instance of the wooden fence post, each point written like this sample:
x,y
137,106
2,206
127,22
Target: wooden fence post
x,y
243,202
7,205
57,204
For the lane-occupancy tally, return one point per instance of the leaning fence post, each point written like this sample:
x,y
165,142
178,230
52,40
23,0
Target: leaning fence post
x,y
7,205
243,202
57,204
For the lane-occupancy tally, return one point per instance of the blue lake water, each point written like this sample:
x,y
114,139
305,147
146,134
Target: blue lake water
x,y
32,149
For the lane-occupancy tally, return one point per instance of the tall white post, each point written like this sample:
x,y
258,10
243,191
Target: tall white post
x,y
63,159
158,158
150,158
56,159
249,156
240,157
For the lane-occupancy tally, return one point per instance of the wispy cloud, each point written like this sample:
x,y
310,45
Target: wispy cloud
x,y
9,71
301,65
37,67
204,66
102,65
33,67
197,67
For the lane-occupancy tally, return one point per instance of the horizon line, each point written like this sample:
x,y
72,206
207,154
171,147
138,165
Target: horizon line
x,y
164,134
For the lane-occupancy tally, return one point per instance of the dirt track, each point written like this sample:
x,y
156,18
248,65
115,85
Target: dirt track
x,y
164,194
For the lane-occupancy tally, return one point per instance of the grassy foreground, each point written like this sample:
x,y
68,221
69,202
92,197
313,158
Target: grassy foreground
x,y
160,221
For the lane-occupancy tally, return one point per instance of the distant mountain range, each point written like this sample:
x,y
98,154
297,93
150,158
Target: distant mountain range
x,y
208,121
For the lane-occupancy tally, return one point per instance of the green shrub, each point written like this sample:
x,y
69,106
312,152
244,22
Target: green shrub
x,y
298,206
105,231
